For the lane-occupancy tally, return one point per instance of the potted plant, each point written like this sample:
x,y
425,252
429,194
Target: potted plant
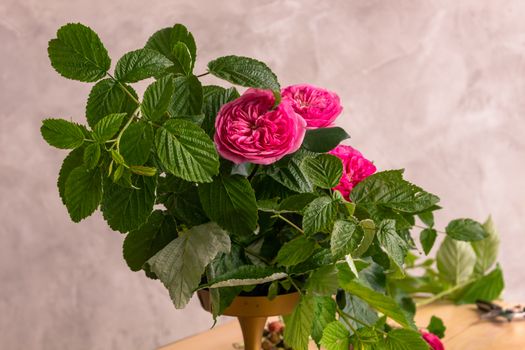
x,y
252,201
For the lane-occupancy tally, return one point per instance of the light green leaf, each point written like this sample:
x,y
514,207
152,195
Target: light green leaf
x,y
157,98
61,133
324,311
187,98
166,39
92,155
77,53
143,170
465,230
323,281
244,71
487,288
295,251
455,260
368,228
319,215
392,244
83,192
427,238
324,171
335,337
136,143
73,160
139,65
299,324
126,209
186,151
181,263
324,139
247,275
141,244
343,240
183,56
108,97
106,128
360,310
436,326
404,339
214,97
230,202
487,249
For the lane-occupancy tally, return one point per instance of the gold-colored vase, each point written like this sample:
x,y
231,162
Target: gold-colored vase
x,y
252,313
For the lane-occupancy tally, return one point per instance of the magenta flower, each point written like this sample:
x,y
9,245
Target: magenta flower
x,y
356,168
319,107
248,129
433,340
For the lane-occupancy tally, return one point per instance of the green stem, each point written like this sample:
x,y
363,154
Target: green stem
x,y
443,294
279,216
123,88
424,227
295,285
252,253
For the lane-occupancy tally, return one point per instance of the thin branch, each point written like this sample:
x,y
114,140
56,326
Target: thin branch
x,y
288,222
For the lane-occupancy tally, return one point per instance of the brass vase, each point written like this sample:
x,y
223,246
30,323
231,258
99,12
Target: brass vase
x,y
252,313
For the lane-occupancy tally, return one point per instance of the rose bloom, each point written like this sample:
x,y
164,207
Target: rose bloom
x,y
249,129
356,168
433,340
319,107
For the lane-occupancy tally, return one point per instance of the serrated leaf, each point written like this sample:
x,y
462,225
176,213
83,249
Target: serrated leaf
x,y
73,160
436,326
136,143
244,71
455,260
335,337
392,244
166,39
106,128
62,134
319,215
186,151
187,98
323,281
214,97
368,228
487,288
157,98
486,249
108,97
324,139
77,53
324,171
92,155
404,339
183,56
141,244
465,230
140,64
83,192
295,251
247,275
427,238
343,241
324,311
299,324
230,202
126,209
183,202
360,310
296,202
181,263
291,176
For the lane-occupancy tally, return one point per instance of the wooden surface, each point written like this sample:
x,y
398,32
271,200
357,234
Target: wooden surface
x,y
465,331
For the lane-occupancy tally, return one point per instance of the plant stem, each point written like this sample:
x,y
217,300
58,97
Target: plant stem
x,y
203,74
443,293
123,88
295,285
252,253
424,227
279,216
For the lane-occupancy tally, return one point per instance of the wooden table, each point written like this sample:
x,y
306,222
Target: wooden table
x,y
465,331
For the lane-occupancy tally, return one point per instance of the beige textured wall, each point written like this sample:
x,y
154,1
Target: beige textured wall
x,y
436,86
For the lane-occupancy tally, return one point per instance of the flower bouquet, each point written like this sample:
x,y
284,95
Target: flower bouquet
x,y
252,194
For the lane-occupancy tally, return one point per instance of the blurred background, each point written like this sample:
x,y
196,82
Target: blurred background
x,y
434,86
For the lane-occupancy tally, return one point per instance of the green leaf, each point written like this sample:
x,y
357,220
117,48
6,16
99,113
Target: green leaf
x,y
392,244
108,97
61,133
246,275
117,157
295,251
404,339
214,97
296,202
244,71
360,310
106,128
141,244
230,202
143,170
136,143
324,171
436,326
343,240
465,230
166,39
83,192
92,155
319,215
323,281
455,260
324,311
487,249
126,209
299,324
181,263
336,337
186,151
487,288
323,140
187,98
182,54
73,160
388,189
291,176
77,53
369,232
427,238
183,202
157,98
139,65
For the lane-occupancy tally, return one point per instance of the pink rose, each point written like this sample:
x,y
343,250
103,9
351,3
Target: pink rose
x,y
319,107
249,129
433,340
356,168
